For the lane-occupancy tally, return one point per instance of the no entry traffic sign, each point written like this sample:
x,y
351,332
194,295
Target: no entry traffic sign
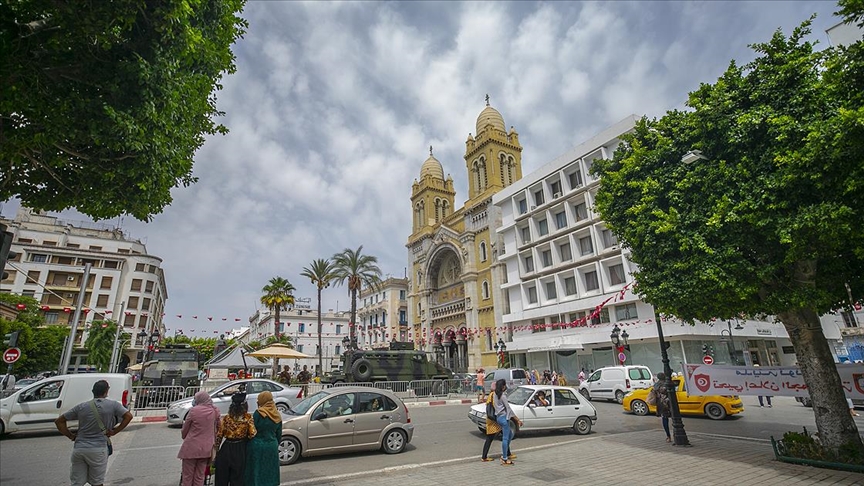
x,y
707,359
11,355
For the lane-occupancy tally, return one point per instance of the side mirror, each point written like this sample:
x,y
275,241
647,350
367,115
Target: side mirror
x,y
532,405
320,416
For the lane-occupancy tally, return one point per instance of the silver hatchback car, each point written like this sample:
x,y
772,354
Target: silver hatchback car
x,y
345,419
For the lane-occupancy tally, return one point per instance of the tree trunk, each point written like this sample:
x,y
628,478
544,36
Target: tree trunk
x,y
833,420
353,328
320,348
278,317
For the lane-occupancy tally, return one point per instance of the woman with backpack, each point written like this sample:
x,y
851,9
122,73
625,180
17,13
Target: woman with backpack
x,y
661,399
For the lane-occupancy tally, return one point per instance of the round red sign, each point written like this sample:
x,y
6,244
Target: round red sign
x,y
11,355
707,360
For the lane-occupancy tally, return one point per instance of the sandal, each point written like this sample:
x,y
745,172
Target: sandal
x,y
512,456
486,459
507,462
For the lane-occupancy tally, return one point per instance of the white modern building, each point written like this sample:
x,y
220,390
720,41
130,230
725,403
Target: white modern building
x,y
565,282
382,314
126,284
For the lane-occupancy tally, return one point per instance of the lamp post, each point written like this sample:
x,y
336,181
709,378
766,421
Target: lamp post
x,y
732,352
501,347
679,436
619,342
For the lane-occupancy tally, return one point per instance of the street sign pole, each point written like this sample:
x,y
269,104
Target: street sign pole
x,y
70,344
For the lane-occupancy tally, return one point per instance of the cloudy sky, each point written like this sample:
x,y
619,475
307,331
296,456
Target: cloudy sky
x,y
334,105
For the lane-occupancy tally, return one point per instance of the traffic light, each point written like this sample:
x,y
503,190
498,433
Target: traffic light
x,y
704,349
5,246
10,340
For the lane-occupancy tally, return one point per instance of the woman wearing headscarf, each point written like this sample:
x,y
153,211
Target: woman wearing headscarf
x,y
199,439
262,453
503,415
236,430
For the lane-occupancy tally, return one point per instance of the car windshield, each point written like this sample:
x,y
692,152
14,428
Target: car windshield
x,y
307,403
519,396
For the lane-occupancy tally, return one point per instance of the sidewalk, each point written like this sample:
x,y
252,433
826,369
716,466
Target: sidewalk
x,y
641,458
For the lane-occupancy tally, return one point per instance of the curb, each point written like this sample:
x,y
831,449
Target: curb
x,y
432,403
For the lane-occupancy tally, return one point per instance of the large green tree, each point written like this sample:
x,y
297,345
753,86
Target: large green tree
x,y
320,273
100,343
103,104
356,270
768,220
41,345
278,296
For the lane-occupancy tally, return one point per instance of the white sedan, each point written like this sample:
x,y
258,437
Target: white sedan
x,y
566,409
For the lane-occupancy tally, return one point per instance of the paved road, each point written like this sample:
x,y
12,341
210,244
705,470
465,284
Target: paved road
x,y
146,453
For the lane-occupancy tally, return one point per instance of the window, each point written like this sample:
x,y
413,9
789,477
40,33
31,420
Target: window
x,y
25,240
95,248
609,238
602,318
585,246
48,391
551,293
570,285
136,284
482,251
639,374
145,304
302,327
49,243
402,294
338,349
575,179
560,220
556,188
73,245
485,289
403,317
149,288
526,235
64,260
591,282
123,250
133,303
565,397
111,264
566,255
547,257
488,341
300,348
51,317
38,258
338,329
106,282
625,312
372,403
538,198
129,320
532,295
538,325
616,274
102,301
33,276
580,211
529,264
140,267
28,293
543,227
523,206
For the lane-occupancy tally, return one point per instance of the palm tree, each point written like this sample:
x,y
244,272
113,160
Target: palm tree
x,y
320,272
357,270
278,295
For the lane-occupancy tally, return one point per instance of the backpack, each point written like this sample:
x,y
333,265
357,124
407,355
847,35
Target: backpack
x,y
651,399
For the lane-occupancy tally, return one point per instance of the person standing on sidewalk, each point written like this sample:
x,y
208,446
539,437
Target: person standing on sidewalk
x,y
97,423
664,408
304,377
492,429
480,386
199,439
236,429
262,452
503,415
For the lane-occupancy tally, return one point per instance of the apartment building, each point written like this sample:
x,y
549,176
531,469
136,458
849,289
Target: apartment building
x,y
126,284
382,314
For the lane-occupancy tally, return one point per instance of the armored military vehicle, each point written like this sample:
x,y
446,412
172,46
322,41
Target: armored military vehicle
x,y
399,363
171,369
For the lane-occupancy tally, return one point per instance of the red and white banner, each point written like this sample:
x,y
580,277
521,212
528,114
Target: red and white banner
x,y
764,380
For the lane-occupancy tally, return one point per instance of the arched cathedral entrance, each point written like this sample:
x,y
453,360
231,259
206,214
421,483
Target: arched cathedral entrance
x,y
447,309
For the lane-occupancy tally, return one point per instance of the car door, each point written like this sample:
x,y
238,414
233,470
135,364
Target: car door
x,y
539,416
371,419
331,425
686,403
566,408
595,385
40,405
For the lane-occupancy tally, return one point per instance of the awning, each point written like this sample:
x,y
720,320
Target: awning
x,y
563,347
529,347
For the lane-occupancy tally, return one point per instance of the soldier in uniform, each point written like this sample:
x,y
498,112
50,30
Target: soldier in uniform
x,y
285,375
305,377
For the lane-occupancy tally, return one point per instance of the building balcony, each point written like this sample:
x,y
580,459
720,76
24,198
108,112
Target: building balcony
x,y
448,310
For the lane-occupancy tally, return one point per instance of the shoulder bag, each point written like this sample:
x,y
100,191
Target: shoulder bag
x,y
102,426
490,410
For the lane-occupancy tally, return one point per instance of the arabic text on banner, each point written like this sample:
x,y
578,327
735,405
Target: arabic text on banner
x,y
767,380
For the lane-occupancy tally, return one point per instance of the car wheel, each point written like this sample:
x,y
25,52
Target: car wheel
x,y
394,441
582,426
584,393
619,396
2,428
289,450
715,411
638,407
282,408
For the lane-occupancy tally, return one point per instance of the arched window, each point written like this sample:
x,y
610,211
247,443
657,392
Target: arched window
x,y
483,251
483,180
445,209
422,214
437,210
510,165
485,289
476,178
418,221
506,173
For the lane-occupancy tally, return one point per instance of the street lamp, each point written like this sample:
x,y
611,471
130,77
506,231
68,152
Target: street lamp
x,y
500,348
619,341
733,352
679,436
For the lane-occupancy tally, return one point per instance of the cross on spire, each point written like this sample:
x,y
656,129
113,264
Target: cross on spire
x,y
430,151
487,99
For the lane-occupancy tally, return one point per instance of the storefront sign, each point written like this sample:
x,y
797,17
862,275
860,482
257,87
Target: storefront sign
x,y
763,332
766,380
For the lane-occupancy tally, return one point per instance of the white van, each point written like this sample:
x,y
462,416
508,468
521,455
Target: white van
x,y
613,382
35,407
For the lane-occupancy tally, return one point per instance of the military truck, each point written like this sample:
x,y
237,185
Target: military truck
x,y
171,369
398,363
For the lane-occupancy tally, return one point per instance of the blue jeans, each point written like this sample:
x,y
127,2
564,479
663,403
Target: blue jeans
x,y
506,436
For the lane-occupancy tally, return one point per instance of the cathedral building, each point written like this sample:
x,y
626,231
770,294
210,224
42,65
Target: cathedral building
x,y
453,281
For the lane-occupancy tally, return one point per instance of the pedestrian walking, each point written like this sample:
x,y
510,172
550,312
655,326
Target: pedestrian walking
x,y
554,378
480,386
767,398
532,377
199,439
581,376
562,380
262,454
503,415
851,407
492,429
305,377
98,420
664,407
236,430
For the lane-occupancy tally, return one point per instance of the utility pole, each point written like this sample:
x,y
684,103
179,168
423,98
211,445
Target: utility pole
x,y
115,350
70,344
679,436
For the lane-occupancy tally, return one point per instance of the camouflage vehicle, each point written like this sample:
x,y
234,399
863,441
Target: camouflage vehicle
x,y
172,368
399,363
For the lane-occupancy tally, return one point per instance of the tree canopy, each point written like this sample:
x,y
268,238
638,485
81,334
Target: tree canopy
x,y
103,106
41,345
752,201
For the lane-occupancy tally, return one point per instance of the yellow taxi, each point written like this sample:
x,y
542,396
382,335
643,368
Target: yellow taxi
x,y
716,407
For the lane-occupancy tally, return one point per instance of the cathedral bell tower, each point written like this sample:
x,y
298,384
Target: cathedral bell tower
x,y
494,157
432,196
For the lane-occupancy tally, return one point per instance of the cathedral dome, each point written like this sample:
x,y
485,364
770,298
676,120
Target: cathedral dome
x,y
432,167
491,116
